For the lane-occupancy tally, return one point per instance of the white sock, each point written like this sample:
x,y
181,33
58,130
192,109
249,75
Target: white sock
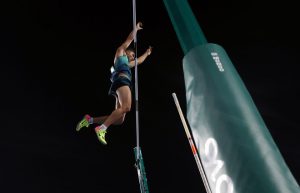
x,y
103,127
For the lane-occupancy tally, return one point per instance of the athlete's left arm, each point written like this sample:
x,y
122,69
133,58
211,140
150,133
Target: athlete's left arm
x,y
142,58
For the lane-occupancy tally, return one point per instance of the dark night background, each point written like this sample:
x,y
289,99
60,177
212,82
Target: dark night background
x,y
55,60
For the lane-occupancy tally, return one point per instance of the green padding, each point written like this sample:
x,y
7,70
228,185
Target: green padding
x,y
186,27
235,146
237,150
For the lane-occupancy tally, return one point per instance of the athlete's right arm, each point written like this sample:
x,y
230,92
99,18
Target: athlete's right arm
x,y
121,49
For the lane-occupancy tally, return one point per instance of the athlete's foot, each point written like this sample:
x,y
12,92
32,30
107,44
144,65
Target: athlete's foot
x,y
101,135
83,123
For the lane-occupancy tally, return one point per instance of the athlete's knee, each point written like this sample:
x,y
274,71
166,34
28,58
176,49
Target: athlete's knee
x,y
125,109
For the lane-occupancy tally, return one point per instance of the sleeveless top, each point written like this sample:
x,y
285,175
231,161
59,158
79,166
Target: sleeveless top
x,y
121,66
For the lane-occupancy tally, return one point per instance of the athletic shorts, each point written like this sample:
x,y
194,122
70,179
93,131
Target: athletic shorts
x,y
117,83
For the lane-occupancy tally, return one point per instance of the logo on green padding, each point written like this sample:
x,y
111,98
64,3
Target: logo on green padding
x,y
216,58
221,181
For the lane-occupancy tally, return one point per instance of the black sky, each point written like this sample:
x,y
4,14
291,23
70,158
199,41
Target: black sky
x,y
55,60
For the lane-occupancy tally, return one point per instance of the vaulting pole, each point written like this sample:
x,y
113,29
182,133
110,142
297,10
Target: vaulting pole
x,y
139,163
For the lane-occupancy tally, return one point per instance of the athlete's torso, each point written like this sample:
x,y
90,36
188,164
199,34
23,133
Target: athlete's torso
x,y
121,67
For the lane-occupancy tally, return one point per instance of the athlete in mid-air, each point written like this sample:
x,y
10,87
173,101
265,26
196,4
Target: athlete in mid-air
x,y
120,88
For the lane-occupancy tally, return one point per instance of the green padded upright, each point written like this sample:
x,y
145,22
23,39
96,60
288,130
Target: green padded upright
x,y
234,144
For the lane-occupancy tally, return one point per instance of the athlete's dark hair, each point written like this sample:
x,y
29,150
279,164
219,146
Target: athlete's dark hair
x,y
130,49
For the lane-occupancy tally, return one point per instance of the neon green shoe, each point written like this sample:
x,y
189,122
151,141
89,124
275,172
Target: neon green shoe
x,y
101,135
83,123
